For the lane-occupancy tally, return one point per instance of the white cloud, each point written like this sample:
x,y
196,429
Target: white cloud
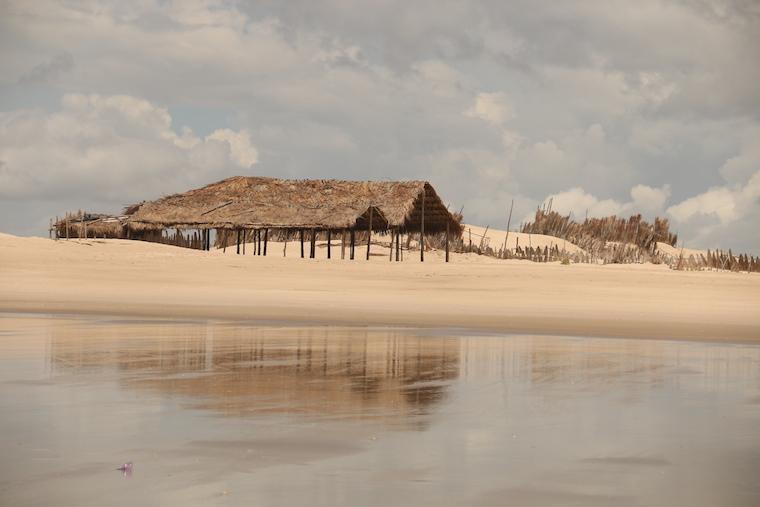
x,y
727,203
578,202
649,200
645,200
111,148
491,107
241,150
443,79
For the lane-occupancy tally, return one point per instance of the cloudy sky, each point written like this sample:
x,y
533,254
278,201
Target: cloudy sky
x,y
622,107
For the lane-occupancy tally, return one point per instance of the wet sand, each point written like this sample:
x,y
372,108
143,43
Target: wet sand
x,y
146,279
225,413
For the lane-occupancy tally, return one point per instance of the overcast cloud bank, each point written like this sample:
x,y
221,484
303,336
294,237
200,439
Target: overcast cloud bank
x,y
606,107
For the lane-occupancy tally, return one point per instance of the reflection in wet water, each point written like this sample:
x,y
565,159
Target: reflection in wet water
x,y
236,414
233,370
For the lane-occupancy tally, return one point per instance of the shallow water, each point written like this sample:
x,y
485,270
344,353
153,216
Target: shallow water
x,y
215,413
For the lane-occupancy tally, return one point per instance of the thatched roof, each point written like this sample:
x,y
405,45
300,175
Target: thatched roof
x,y
289,204
95,224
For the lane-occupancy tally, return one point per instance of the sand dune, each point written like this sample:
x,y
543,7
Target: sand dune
x,y
495,239
137,278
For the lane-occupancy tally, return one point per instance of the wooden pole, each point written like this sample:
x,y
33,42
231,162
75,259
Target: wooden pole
x,y
369,231
313,246
238,242
390,248
266,240
245,238
300,233
353,239
285,243
422,228
509,221
329,239
447,241
343,244
398,243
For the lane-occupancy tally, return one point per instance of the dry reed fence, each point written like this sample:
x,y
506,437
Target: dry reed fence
x,y
714,260
608,240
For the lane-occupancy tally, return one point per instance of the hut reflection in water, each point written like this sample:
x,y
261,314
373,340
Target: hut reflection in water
x,y
239,370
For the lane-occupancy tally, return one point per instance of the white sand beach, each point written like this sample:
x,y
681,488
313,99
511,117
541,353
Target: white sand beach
x,y
146,279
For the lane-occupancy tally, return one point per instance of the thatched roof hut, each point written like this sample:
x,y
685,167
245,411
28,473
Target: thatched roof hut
x,y
90,225
259,202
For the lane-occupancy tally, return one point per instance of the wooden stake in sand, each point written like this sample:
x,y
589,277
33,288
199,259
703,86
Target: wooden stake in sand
x,y
369,231
509,221
343,244
422,228
313,246
447,241
398,243
300,234
329,242
353,240
238,242
266,239
390,248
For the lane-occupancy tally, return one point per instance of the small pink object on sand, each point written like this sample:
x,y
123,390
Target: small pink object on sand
x,y
126,468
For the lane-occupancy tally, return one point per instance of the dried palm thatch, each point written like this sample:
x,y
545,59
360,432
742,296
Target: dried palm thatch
x,y
89,225
259,202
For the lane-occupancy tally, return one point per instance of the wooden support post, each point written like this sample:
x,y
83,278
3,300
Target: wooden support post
x,y
329,240
447,240
398,243
245,238
422,227
313,245
266,240
369,231
300,234
390,248
343,244
351,248
238,241
509,221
